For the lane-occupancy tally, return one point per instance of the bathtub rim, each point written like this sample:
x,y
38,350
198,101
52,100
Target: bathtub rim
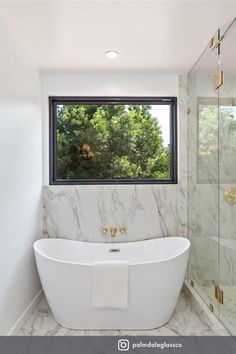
x,y
185,249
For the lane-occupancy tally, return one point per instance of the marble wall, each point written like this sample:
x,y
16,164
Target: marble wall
x,y
211,171
147,211
79,212
202,195
211,221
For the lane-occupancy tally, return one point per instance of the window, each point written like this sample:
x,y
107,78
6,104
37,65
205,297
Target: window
x,y
216,140
109,140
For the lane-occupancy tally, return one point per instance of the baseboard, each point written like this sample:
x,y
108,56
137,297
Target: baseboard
x,y
23,317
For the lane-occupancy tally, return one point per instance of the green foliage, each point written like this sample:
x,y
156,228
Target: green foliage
x,y
214,121
110,141
216,141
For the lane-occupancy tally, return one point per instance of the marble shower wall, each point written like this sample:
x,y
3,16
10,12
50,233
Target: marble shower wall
x,y
212,226
147,211
227,179
202,197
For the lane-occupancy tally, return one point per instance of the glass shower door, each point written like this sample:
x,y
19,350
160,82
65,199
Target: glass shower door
x,y
212,176
203,174
227,181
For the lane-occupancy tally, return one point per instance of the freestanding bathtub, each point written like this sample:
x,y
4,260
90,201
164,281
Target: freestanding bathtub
x,y
156,273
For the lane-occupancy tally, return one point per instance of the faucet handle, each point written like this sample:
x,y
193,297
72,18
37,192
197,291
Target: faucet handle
x,y
123,230
104,230
113,231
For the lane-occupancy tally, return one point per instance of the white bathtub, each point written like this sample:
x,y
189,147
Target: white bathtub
x,y
156,273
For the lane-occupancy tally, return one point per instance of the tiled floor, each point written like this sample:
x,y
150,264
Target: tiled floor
x,y
185,321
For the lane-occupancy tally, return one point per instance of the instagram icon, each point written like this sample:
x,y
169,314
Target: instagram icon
x,y
123,345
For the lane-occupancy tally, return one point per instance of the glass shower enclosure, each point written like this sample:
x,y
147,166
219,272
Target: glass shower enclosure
x,y
212,175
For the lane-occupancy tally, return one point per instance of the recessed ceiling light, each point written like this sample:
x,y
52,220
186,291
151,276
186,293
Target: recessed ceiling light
x,y
112,54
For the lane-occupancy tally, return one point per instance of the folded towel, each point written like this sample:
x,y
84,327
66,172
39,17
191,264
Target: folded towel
x,y
110,284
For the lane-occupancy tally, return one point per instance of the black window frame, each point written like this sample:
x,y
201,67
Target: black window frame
x,y
55,100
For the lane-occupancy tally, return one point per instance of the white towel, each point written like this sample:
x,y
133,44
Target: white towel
x,y
110,284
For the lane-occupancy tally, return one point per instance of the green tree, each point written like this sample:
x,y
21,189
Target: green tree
x,y
110,141
216,141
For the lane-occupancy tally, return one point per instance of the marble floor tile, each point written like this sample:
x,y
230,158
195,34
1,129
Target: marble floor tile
x,y
185,321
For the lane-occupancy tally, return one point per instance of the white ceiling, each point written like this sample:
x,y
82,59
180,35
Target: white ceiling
x,y
151,36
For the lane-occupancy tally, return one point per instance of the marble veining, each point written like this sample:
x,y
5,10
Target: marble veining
x,y
79,213
185,321
209,216
211,221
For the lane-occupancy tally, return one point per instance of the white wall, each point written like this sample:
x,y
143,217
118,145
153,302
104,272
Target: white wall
x,y
20,179
78,212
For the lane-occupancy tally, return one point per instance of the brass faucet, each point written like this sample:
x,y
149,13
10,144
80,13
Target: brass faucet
x,y
122,230
104,230
113,231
